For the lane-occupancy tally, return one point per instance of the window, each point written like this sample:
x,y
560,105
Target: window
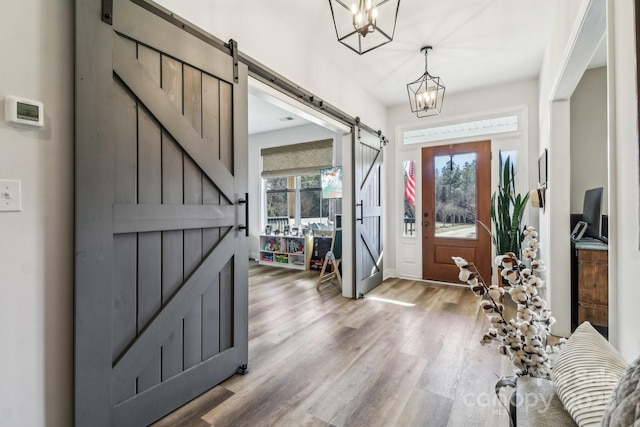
x,y
313,208
280,199
409,217
297,201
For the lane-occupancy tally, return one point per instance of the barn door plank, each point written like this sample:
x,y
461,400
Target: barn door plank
x,y
192,105
149,243
124,319
226,126
172,249
130,218
173,240
211,236
227,307
172,80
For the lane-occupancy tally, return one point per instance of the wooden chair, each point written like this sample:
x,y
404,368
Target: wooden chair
x,y
333,256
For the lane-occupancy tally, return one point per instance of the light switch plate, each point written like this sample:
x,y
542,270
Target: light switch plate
x,y
10,196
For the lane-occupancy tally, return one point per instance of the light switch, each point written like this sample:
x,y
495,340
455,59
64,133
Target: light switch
x,y
10,197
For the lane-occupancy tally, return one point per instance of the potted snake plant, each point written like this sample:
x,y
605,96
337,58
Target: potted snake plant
x,y
507,210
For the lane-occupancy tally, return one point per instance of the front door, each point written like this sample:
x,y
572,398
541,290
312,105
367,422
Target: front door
x,y
161,261
456,196
368,212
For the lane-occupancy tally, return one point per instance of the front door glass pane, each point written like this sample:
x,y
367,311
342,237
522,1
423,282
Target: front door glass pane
x,y
409,220
456,196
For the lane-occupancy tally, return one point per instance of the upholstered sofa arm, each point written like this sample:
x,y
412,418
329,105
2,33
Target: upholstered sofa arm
x,y
537,404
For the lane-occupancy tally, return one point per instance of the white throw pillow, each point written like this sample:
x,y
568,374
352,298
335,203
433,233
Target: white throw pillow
x,y
585,373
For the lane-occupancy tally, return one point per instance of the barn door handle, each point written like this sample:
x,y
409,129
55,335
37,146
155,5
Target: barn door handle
x,y
361,219
245,202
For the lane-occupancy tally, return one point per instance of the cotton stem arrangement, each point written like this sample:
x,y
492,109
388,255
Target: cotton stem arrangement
x,y
523,338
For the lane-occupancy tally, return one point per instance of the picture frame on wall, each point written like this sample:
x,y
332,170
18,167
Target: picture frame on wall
x,y
542,170
331,182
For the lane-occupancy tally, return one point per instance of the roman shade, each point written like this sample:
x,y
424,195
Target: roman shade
x,y
306,158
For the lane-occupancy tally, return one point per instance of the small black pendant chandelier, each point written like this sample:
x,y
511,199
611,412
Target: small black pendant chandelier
x,y
427,93
365,24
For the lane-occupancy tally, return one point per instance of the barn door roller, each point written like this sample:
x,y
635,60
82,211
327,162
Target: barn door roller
x,y
233,46
107,11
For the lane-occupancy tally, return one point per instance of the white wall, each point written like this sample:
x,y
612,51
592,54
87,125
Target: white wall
x,y
459,107
36,246
555,224
624,255
589,138
555,136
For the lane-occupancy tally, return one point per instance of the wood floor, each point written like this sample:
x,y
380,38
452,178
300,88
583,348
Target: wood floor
x,y
318,359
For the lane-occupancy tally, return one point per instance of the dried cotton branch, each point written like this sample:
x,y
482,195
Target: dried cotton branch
x,y
523,338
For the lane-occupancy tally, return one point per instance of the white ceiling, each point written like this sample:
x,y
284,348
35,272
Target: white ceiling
x,y
476,43
266,117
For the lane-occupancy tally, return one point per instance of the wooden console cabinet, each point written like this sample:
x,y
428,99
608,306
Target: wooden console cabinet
x,y
593,286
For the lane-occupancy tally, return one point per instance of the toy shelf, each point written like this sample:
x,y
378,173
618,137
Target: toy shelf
x,y
285,251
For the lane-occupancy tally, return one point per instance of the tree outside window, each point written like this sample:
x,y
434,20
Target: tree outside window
x,y
455,195
297,200
278,195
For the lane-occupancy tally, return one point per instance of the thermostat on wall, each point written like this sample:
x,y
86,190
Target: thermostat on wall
x,y
23,112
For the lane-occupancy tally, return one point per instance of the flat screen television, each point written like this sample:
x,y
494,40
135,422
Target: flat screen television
x,y
592,212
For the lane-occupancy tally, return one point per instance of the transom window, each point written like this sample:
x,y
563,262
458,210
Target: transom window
x,y
462,130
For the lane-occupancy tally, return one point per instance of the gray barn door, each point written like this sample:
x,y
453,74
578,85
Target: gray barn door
x,y
368,212
161,262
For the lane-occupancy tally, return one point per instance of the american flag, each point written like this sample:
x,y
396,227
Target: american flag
x,y
410,190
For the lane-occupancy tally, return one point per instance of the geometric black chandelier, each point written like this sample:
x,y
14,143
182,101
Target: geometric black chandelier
x,y
427,93
364,25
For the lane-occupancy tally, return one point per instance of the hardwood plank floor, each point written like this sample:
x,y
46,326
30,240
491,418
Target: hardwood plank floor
x,y
318,359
